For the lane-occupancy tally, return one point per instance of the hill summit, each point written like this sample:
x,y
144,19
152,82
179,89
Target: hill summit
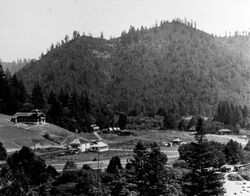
x,y
172,65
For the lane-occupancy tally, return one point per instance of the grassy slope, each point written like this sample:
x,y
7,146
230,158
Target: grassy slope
x,y
13,137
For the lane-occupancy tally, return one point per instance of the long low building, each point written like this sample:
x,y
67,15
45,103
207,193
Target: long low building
x,y
98,146
33,117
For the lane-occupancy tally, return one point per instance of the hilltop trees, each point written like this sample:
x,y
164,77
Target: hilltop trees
x,y
149,69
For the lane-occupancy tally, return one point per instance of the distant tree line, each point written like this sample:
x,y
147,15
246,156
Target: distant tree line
x,y
231,114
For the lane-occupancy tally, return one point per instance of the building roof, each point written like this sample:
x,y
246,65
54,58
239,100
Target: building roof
x,y
79,141
224,130
23,114
99,144
36,113
176,140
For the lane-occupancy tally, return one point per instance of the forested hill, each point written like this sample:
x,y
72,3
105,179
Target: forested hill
x,y
172,65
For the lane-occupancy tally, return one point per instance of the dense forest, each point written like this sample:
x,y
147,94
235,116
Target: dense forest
x,y
172,65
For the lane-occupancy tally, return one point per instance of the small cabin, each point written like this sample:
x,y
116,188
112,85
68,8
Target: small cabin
x,y
177,141
81,144
94,127
33,117
98,146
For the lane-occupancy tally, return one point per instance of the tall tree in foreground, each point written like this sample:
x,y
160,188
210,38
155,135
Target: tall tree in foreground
x,y
202,180
3,153
149,173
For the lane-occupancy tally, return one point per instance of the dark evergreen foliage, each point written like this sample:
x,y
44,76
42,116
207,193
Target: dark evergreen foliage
x,y
202,179
114,165
122,120
171,64
37,98
233,152
3,152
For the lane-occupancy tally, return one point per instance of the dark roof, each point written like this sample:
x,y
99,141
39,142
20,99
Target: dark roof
x,y
28,114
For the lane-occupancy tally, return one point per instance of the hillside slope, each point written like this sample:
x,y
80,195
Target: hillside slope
x,y
173,65
14,136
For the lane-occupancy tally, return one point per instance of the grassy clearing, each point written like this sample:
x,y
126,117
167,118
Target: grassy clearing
x,y
13,136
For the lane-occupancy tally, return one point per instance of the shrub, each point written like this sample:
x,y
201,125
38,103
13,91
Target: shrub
x,y
245,175
234,177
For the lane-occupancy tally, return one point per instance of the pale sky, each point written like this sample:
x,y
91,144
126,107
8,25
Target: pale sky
x,y
28,27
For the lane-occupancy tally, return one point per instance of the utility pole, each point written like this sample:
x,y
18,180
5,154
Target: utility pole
x,y
97,172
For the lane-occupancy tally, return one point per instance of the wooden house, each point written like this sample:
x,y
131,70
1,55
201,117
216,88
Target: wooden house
x,y
33,117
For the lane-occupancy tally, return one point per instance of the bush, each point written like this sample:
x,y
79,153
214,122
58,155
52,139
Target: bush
x,y
234,177
180,164
69,165
47,136
245,175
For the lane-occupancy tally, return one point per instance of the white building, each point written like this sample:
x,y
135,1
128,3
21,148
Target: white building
x,y
80,144
94,127
98,146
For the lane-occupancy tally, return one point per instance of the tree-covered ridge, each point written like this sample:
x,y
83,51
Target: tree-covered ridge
x,y
173,66
14,66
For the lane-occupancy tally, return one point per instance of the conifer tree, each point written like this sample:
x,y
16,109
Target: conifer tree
x,y
233,152
237,116
63,98
87,104
149,174
114,165
202,180
52,97
37,96
3,152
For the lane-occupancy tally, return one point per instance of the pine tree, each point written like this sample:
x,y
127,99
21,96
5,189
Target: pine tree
x,y
114,165
37,96
63,98
237,116
169,120
4,91
149,173
233,152
52,97
87,104
202,180
245,111
55,113
3,152
138,167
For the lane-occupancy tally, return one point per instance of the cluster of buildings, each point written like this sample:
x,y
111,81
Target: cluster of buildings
x,y
36,117
175,142
84,145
